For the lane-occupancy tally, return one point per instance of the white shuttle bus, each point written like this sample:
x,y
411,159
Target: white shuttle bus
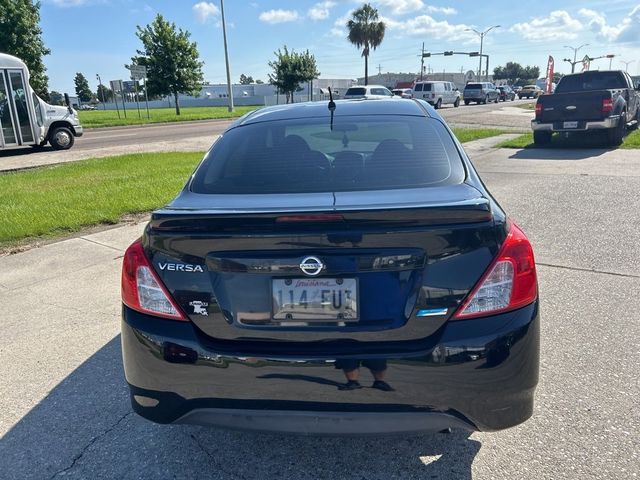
x,y
26,119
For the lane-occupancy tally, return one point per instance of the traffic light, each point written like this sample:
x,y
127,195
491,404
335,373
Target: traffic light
x,y
448,54
474,54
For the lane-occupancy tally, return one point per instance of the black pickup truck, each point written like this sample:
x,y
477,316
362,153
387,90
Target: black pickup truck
x,y
587,101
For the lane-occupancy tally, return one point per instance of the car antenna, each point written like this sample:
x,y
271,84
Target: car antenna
x,y
332,106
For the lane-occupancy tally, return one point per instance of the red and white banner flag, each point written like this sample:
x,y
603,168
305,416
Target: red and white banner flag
x,y
549,83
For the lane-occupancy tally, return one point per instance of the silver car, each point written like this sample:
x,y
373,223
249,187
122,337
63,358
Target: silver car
x,y
368,91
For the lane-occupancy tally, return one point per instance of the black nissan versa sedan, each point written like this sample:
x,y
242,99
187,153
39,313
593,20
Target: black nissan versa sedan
x,y
336,270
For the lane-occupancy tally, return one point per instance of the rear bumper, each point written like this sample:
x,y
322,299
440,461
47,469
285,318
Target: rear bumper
x,y
480,376
605,124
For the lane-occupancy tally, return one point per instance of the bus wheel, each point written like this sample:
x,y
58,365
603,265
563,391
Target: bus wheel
x,y
61,138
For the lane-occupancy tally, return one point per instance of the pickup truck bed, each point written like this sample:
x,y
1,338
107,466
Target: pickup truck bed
x,y
580,104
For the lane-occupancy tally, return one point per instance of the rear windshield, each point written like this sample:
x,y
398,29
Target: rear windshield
x,y
305,155
474,86
356,91
591,81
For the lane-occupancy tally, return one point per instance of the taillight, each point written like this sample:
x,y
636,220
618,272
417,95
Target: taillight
x,y
538,109
142,290
607,105
510,282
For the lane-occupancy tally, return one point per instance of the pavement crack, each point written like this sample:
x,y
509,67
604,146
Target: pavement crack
x,y
89,444
217,464
101,244
589,270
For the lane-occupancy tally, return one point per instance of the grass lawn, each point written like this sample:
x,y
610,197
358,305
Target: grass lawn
x,y
51,201
469,134
109,118
631,141
527,106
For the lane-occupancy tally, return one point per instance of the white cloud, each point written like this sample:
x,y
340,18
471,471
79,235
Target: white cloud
x,y
426,26
278,16
320,11
442,10
205,11
400,7
339,28
627,31
558,25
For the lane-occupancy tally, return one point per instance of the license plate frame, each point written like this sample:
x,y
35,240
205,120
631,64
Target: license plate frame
x,y
571,124
318,308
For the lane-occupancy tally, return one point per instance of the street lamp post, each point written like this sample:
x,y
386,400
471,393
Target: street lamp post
x,y
226,57
575,54
626,64
481,35
104,106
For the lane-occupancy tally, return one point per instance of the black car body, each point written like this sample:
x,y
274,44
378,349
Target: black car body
x,y
312,245
588,101
506,93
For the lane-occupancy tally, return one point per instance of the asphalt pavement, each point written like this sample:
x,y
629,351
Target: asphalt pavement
x,y
64,410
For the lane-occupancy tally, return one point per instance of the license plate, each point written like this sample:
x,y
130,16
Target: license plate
x,y
319,299
570,125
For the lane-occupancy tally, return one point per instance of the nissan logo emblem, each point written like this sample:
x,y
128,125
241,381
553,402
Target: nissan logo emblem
x,y
311,266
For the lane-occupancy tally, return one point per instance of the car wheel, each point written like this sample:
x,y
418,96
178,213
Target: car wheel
x,y
486,100
615,135
438,104
457,102
542,138
497,100
466,102
61,138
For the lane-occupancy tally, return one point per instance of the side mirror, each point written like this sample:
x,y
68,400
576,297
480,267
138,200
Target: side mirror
x,y
68,102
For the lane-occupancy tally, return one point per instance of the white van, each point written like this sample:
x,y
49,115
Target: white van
x,y
437,93
26,119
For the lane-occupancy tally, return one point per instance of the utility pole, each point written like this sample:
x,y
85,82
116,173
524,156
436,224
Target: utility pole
x,y
422,61
379,69
481,35
226,57
575,54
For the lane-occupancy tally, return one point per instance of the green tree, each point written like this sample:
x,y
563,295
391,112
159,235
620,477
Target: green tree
x,y
172,60
291,69
21,35
104,93
244,80
56,98
366,32
82,88
514,73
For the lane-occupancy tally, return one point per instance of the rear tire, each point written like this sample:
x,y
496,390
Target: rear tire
x,y
486,100
438,104
542,138
466,102
615,135
497,100
456,104
61,138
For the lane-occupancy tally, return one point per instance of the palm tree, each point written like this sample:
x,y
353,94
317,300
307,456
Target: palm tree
x,y
366,32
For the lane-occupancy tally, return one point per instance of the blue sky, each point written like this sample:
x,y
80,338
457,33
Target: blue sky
x,y
98,36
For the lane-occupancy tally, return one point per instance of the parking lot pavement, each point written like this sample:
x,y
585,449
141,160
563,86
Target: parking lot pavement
x,y
64,409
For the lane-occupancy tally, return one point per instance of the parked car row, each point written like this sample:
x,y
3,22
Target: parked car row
x,y
439,93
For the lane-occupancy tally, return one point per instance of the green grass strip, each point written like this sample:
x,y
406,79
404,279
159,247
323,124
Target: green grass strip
x,y
109,118
469,134
51,201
